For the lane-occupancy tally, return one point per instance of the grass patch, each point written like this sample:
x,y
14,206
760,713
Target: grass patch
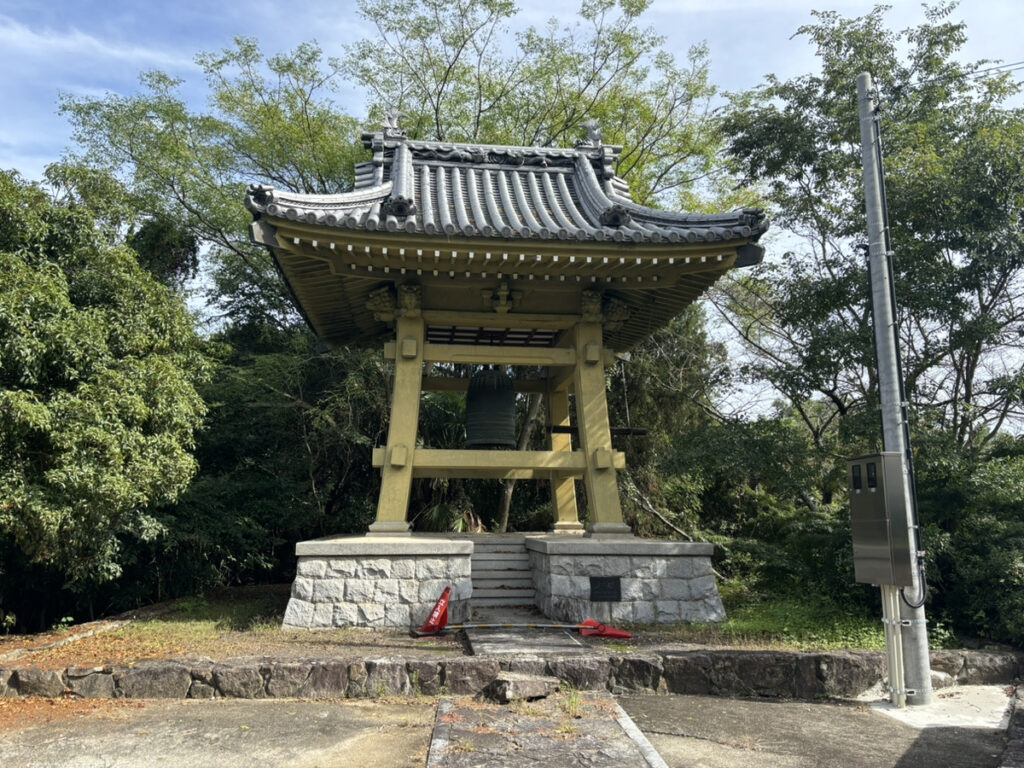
x,y
239,621
572,702
196,624
789,624
236,610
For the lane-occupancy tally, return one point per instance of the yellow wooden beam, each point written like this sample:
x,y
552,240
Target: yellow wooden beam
x,y
489,474
544,322
471,354
440,462
563,488
595,434
396,477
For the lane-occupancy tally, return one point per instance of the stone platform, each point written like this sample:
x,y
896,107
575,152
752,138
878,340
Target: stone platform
x,y
659,582
395,581
378,581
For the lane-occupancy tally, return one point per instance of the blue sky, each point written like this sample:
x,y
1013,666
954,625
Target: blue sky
x,y
90,47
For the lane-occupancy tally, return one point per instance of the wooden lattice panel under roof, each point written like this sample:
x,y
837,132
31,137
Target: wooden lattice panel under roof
x,y
493,230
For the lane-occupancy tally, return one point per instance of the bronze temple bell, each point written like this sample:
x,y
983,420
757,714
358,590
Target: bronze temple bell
x,y
491,410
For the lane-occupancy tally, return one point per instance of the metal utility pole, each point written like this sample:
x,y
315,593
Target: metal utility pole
x,y
895,432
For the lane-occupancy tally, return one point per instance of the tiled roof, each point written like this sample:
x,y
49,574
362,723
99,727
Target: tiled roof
x,y
467,190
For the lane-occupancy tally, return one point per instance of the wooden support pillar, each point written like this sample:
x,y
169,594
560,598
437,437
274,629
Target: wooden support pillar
x,y
595,432
397,472
563,489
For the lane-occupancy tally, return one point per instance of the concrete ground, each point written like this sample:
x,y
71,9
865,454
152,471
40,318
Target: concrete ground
x,y
703,732
690,731
230,733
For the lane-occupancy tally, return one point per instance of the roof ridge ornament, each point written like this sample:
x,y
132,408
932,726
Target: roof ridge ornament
x,y
615,215
391,128
594,134
261,194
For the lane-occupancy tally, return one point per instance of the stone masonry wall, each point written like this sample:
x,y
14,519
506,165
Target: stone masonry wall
x,y
656,589
703,672
392,591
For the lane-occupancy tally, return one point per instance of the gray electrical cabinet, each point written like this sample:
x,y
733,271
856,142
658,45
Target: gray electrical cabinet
x,y
878,516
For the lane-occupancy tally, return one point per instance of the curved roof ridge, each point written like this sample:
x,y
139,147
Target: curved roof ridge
x,y
748,217
390,140
264,195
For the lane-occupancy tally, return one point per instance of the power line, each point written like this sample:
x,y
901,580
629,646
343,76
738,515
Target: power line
x,y
976,74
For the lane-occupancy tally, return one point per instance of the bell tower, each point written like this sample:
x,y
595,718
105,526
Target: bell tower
x,y
496,257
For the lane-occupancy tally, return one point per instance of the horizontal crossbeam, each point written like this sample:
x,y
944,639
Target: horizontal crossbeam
x,y
438,462
471,354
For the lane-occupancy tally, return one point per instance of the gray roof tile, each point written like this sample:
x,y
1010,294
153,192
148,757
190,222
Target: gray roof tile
x,y
448,189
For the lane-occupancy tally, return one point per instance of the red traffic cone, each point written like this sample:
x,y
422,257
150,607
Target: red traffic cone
x,y
438,619
592,627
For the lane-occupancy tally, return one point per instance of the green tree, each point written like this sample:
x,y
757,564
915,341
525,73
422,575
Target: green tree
x,y
449,69
167,250
271,120
98,404
954,156
954,153
285,456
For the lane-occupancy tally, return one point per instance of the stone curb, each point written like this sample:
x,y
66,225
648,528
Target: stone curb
x,y
782,674
1013,753
651,756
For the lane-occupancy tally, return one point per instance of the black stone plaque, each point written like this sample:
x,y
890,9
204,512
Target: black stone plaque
x,y
605,589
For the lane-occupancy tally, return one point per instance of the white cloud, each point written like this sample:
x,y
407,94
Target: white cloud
x,y
48,45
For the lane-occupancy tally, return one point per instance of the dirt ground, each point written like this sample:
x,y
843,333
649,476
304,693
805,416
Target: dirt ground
x,y
121,646
31,710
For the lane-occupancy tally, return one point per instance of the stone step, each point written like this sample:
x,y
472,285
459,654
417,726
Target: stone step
x,y
499,548
501,573
490,540
501,566
503,557
518,554
490,602
494,572
494,581
478,546
503,592
506,569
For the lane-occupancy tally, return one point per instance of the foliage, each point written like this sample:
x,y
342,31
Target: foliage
x,y
271,121
167,250
449,69
954,153
802,624
98,405
974,513
286,457
956,196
